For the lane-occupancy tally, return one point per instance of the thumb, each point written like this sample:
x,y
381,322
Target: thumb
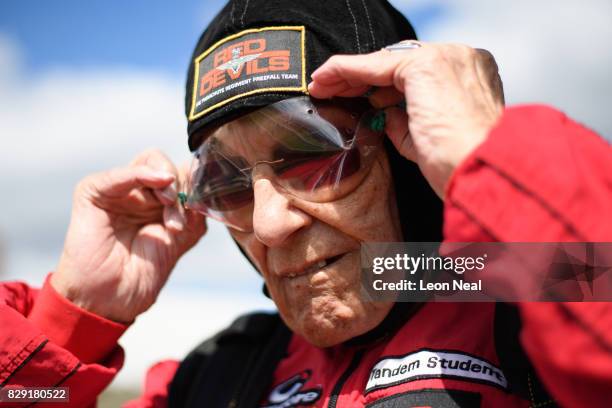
x,y
184,173
195,228
195,222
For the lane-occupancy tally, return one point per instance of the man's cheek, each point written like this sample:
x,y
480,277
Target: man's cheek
x,y
371,204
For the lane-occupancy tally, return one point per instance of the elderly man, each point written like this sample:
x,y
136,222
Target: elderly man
x,y
302,174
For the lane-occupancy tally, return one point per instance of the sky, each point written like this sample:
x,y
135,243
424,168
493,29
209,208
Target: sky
x,y
85,86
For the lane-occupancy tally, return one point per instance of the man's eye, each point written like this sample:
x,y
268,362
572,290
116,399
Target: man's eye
x,y
347,133
291,163
231,199
317,170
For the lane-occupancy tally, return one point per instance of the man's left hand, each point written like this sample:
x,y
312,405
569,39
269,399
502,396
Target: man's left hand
x,y
453,94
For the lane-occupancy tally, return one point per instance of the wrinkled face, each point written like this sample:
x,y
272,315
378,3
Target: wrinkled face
x,y
309,253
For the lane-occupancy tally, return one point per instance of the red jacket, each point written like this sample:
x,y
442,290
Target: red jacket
x,y
556,174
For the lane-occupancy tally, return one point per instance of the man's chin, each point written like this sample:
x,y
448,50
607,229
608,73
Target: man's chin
x,y
335,326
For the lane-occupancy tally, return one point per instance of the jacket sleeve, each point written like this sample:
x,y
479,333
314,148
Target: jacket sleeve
x,y
540,177
156,386
46,341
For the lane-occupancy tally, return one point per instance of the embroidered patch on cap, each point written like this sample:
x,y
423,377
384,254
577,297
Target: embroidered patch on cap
x,y
427,363
257,60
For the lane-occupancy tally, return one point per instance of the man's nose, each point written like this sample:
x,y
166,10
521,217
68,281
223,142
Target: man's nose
x,y
274,217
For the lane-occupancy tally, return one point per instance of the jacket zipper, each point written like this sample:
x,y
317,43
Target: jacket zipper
x,y
236,399
333,399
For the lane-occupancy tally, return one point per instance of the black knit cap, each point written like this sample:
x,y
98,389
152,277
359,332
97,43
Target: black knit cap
x,y
311,31
330,27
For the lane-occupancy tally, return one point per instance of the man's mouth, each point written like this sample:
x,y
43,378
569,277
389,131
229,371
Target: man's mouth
x,y
317,266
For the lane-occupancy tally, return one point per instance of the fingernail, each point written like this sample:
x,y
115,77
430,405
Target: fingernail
x,y
169,193
175,220
163,174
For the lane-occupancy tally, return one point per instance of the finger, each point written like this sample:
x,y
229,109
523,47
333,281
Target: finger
x,y
488,70
499,90
385,97
195,222
195,228
184,174
352,92
155,159
167,196
328,91
144,198
370,68
173,219
158,160
340,71
396,128
486,57
119,182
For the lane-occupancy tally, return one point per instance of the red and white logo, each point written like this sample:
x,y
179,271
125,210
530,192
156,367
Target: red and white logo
x,y
290,393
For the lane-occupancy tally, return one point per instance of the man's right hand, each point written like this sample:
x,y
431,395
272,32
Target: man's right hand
x,y
127,232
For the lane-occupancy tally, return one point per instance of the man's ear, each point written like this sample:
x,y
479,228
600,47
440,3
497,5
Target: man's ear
x,y
420,209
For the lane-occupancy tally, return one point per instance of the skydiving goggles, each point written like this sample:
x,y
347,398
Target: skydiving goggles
x,y
318,151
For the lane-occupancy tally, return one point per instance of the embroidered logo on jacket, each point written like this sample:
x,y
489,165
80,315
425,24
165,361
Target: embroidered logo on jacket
x,y
290,394
427,363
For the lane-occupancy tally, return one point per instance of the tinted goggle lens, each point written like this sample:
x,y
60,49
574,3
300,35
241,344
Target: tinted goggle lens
x,y
219,185
317,153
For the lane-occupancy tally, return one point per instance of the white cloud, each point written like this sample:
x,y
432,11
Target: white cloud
x,y
551,51
11,59
66,118
58,126
61,125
